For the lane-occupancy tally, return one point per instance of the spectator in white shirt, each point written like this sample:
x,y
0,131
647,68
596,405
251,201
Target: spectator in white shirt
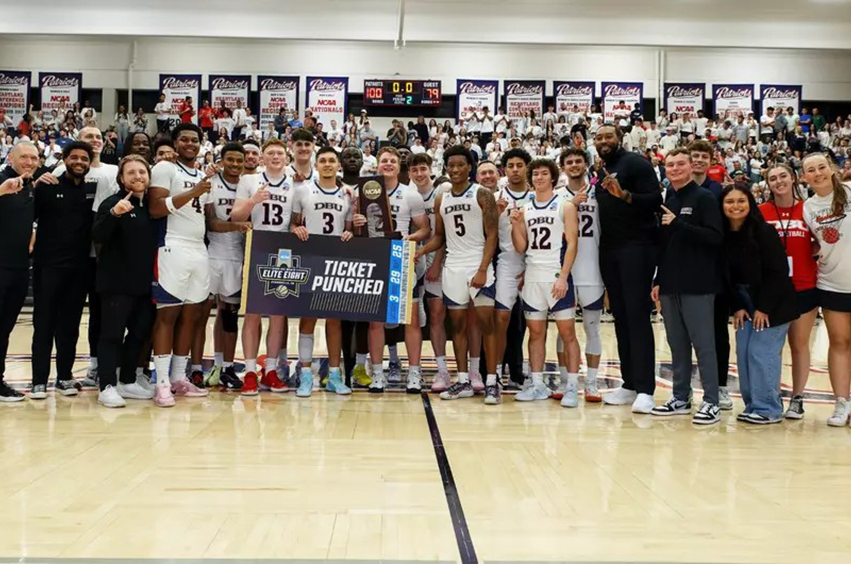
x,y
700,125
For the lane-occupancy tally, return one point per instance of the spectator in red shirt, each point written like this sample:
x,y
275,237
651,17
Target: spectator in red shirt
x,y
716,171
222,109
187,112
206,117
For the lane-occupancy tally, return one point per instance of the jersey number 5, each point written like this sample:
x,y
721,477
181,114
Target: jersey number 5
x,y
460,230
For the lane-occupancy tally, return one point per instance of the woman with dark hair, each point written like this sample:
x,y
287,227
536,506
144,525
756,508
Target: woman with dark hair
x,y
826,215
138,143
785,212
764,303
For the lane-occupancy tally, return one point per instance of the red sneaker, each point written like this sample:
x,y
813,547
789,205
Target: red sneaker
x,y
271,383
249,385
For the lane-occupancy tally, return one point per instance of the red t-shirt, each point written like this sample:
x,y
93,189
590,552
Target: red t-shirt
x,y
716,172
206,115
186,113
796,239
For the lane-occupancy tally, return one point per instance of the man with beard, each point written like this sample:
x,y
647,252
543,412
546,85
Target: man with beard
x,y
61,269
253,157
138,143
628,198
16,230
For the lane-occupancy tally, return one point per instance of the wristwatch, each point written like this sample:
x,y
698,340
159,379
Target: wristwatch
x,y
627,196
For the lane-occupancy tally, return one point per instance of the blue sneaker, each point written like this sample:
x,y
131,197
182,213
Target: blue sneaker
x,y
305,383
335,383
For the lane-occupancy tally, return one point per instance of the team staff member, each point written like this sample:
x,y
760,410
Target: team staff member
x,y
127,235
61,268
628,199
16,230
686,284
785,212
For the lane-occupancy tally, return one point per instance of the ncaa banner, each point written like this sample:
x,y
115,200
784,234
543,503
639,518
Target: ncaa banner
x,y
327,98
276,93
620,99
230,88
176,88
730,100
780,96
58,88
15,94
682,97
523,96
362,279
569,94
474,95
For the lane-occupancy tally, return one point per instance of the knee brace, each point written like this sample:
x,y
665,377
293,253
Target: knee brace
x,y
591,323
305,348
230,320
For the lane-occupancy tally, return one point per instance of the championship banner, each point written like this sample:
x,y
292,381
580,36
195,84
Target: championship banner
x,y
682,97
569,94
360,280
276,93
327,98
780,96
15,94
730,100
59,87
474,95
176,88
620,99
522,96
230,88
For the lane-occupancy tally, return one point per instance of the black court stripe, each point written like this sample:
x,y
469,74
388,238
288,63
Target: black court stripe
x,y
453,500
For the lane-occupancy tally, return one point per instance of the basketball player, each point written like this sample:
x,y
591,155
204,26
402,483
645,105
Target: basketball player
x,y
226,251
419,169
585,272
253,157
265,199
408,212
322,209
469,210
539,230
179,193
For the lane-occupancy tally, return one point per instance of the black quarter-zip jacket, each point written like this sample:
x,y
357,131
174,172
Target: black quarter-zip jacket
x,y
690,245
64,215
16,224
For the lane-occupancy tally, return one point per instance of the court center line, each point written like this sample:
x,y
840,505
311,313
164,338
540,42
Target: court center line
x,y
453,500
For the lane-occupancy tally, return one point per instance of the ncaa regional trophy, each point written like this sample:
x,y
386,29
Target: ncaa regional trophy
x,y
374,204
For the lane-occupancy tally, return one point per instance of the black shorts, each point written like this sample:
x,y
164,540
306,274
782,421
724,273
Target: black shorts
x,y
808,300
834,301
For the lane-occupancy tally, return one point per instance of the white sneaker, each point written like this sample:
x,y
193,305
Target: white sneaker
x,y
620,396
571,395
109,398
643,404
145,383
134,391
724,400
841,413
534,393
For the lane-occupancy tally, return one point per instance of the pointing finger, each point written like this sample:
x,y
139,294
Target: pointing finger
x,y
667,210
127,197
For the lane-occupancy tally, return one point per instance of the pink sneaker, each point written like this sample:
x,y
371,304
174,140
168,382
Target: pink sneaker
x,y
188,389
476,382
163,397
441,381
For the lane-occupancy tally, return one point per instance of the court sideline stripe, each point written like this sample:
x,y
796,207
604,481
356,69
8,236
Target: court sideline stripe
x,y
453,500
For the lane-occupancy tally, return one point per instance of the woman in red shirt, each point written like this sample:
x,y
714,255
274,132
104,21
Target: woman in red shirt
x,y
206,117
785,211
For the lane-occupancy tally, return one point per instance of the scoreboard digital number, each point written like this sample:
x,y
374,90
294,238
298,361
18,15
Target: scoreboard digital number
x,y
401,92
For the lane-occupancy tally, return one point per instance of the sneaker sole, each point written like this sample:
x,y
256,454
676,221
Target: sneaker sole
x,y
117,405
135,397
274,390
491,401
160,404
593,398
706,421
669,413
794,416
837,424
376,391
68,393
39,396
459,396
413,391
726,407
250,394
12,399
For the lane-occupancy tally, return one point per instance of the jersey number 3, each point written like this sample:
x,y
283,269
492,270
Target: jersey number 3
x,y
327,223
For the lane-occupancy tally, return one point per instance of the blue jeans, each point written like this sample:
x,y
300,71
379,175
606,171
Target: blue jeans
x,y
758,356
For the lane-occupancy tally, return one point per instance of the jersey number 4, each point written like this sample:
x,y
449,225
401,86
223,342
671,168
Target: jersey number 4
x,y
541,238
196,203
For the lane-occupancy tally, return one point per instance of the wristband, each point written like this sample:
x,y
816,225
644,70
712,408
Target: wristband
x,y
169,204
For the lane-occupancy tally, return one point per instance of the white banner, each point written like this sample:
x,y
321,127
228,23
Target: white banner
x,y
15,94
230,89
176,88
522,96
475,95
277,93
60,90
732,100
570,94
327,98
683,98
620,99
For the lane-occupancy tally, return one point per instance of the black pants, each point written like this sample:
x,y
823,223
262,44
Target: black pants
x,y
59,294
162,126
94,309
514,343
484,139
355,340
132,315
13,292
628,276
722,337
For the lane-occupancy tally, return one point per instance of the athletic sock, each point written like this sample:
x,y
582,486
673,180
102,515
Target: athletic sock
x,y
463,377
250,365
591,375
305,348
491,380
178,368
377,371
162,364
573,378
360,359
562,372
227,364
474,364
271,364
394,354
413,369
197,367
140,372
282,356
537,379
441,363
499,371
218,358
93,363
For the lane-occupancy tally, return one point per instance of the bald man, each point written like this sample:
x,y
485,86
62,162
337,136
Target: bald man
x,y
16,230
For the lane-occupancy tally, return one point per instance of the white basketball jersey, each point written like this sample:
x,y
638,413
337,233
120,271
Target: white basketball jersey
x,y
311,177
226,246
463,227
586,267
545,234
405,203
324,212
429,199
515,201
275,213
187,225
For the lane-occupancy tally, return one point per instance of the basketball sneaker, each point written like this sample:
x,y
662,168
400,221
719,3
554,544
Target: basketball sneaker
x,y
305,384
9,394
620,396
441,381
91,378
376,386
188,389
249,384
229,380
592,394
725,402
132,391
163,397
197,378
672,407
335,383
67,387
109,397
534,392
394,370
796,408
493,394
38,392
214,377
360,379
458,390
841,413
414,385
570,398
708,414
476,381
270,382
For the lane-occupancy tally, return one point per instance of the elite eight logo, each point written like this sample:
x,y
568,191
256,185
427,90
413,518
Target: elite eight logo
x,y
282,275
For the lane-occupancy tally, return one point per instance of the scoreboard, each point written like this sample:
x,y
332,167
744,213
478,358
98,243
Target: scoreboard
x,y
401,93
